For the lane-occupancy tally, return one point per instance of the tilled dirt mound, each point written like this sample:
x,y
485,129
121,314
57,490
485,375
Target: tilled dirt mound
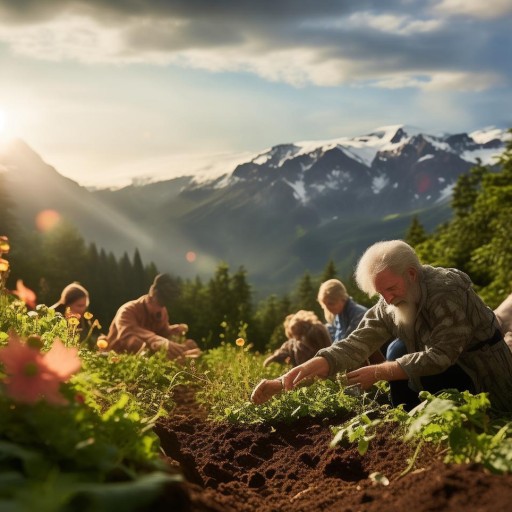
x,y
291,468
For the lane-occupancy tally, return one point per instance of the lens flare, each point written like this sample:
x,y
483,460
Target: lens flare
x,y
47,219
191,256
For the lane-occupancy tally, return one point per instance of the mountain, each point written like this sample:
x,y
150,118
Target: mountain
x,y
286,210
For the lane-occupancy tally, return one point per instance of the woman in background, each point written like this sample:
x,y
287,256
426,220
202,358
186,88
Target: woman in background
x,y
73,302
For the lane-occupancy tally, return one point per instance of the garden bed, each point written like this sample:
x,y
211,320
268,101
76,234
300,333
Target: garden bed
x,y
290,467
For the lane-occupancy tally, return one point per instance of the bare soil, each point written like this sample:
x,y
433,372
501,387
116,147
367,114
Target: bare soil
x,y
260,468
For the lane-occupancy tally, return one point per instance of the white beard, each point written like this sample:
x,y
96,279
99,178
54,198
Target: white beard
x,y
404,313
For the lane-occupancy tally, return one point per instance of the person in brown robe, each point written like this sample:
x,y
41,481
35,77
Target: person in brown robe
x,y
142,325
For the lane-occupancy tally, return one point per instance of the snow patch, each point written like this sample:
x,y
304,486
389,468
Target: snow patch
x,y
487,156
445,193
378,183
299,190
488,134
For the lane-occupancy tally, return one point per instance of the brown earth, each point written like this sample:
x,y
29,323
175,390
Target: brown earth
x,y
260,468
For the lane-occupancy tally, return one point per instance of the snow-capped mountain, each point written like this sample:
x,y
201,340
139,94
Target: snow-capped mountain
x,y
393,163
278,212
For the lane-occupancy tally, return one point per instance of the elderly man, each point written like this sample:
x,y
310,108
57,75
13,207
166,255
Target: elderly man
x,y
143,325
451,337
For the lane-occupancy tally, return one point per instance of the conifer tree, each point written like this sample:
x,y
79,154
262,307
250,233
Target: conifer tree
x,y
306,294
329,272
416,233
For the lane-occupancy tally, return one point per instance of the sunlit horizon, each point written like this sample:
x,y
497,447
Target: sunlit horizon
x,y
108,103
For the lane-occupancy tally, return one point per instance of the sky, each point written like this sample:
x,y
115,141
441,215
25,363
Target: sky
x,y
110,91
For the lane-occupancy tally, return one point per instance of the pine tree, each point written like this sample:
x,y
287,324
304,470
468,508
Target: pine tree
x,y
329,272
416,233
306,294
138,275
64,260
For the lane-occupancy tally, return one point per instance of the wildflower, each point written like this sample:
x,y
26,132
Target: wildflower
x,y
27,295
68,314
73,321
4,244
33,376
240,342
102,344
88,315
4,265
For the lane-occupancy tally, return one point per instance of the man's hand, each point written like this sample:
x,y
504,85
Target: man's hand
x,y
178,329
367,376
364,376
192,353
316,367
175,350
265,390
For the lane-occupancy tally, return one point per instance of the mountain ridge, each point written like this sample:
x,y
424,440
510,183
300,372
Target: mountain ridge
x,y
286,210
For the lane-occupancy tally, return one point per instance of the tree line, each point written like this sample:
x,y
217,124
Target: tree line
x,y
476,240
217,309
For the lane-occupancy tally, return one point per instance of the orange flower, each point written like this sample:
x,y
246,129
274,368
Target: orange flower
x,y
33,376
88,315
4,265
102,344
240,342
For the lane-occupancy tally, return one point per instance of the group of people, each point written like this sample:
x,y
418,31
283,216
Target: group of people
x,y
139,326
439,334
429,330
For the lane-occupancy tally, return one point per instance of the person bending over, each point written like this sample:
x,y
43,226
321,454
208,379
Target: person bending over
x,y
452,338
306,336
143,325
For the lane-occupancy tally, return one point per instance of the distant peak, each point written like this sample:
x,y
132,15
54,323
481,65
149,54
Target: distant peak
x,y
395,133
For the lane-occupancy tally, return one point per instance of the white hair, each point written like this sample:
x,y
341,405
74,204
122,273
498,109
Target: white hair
x,y
394,255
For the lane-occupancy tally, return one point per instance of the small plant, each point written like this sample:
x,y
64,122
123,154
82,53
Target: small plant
x,y
457,422
227,374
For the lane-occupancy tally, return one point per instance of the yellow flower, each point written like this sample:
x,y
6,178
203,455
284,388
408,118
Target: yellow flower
x,y
88,315
240,342
4,265
73,321
4,244
102,344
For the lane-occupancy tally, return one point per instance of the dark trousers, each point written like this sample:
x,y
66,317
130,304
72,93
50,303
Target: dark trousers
x,y
452,378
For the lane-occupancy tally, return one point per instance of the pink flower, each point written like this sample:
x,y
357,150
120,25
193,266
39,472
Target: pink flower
x,y
27,295
33,376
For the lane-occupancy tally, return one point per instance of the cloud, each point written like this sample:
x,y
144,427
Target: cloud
x,y
387,43
487,9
